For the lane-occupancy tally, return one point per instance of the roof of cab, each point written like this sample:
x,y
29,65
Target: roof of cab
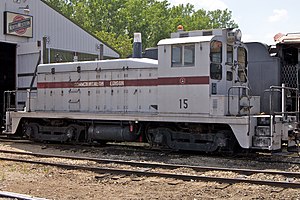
x,y
185,40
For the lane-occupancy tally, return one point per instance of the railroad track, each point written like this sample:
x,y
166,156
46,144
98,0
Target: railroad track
x,y
197,173
19,140
116,148
124,149
12,195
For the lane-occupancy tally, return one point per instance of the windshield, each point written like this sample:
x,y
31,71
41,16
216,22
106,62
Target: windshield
x,y
242,61
216,60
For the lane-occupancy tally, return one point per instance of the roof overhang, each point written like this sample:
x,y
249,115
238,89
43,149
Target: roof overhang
x,y
291,38
185,40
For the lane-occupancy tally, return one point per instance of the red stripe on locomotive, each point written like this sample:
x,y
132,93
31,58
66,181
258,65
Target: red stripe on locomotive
x,y
198,80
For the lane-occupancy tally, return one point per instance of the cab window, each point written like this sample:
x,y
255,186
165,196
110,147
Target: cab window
x,y
229,61
229,54
183,55
242,60
216,60
176,55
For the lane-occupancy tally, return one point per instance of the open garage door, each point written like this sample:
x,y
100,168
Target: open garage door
x,y
28,57
7,71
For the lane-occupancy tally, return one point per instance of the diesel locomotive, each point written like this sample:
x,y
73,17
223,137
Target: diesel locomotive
x,y
196,96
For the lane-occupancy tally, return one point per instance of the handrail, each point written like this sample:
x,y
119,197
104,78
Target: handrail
x,y
283,112
228,99
7,104
7,96
283,87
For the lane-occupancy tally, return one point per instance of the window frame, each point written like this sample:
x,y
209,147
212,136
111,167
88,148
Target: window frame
x,y
216,68
242,69
229,51
182,61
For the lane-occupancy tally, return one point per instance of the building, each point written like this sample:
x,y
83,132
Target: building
x,y
33,32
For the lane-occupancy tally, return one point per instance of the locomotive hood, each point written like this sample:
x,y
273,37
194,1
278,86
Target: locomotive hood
x,y
99,65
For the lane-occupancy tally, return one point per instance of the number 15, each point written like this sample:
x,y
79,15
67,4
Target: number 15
x,y
183,103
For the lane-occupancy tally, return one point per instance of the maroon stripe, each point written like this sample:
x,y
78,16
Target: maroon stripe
x,y
198,80
141,82
183,80
55,85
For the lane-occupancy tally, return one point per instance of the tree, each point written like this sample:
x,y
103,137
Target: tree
x,y
63,6
181,15
221,19
123,43
200,19
115,21
150,17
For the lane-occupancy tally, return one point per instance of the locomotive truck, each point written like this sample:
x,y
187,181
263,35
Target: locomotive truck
x,y
196,96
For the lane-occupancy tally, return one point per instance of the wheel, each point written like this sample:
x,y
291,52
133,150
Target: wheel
x,y
31,131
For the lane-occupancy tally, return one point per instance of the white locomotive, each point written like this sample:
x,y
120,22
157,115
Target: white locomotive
x,y
194,97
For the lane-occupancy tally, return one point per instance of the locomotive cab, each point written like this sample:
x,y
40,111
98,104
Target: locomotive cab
x,y
211,66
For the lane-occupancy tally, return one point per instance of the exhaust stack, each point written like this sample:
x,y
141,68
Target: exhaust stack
x,y
137,45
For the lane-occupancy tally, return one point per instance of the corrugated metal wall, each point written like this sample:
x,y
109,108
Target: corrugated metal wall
x,y
63,33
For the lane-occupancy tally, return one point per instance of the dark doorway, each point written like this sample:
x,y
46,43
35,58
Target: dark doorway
x,y
7,72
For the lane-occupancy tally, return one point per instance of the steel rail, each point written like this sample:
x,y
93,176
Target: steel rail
x,y
154,151
109,144
17,141
4,136
146,173
147,150
157,165
18,196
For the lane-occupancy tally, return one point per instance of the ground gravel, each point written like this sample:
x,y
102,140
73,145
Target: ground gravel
x,y
56,183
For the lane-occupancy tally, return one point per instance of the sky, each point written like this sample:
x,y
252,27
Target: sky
x,y
259,20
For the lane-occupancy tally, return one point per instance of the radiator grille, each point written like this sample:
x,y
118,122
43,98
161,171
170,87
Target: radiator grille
x,y
289,75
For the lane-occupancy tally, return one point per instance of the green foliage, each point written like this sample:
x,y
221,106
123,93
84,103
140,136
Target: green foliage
x,y
120,42
221,19
149,17
115,21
